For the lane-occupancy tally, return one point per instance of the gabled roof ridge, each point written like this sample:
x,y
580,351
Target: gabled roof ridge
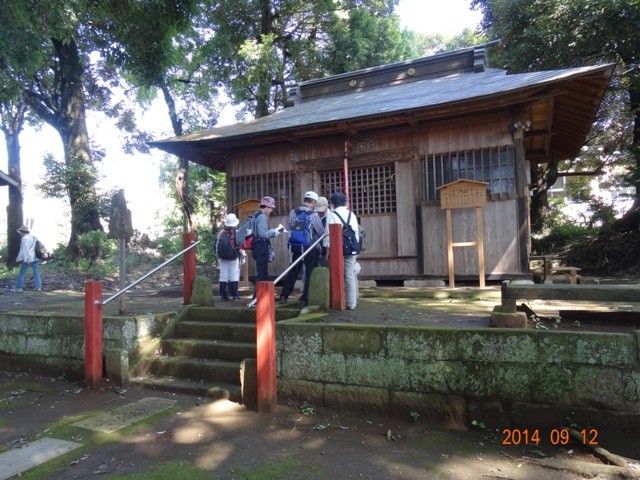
x,y
463,60
392,66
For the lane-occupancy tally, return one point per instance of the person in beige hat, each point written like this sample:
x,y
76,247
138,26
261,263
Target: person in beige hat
x,y
27,258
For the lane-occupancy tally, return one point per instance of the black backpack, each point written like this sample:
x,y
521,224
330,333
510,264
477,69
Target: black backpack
x,y
40,250
350,244
301,229
227,246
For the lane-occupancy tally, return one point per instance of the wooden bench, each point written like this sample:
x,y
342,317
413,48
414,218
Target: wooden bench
x,y
570,273
547,262
511,293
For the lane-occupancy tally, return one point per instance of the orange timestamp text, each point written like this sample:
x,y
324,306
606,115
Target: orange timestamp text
x,y
557,436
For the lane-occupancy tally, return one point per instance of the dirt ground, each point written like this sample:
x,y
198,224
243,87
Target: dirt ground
x,y
228,441
223,440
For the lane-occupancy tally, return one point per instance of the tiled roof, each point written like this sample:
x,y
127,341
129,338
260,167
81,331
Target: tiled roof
x,y
387,100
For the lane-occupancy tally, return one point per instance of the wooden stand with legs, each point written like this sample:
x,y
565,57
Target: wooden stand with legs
x,y
464,194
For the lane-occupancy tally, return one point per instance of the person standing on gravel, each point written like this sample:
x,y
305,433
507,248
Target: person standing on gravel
x,y
27,258
306,228
230,257
340,214
261,251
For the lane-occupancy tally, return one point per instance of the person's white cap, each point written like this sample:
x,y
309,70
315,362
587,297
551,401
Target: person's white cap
x,y
231,220
311,195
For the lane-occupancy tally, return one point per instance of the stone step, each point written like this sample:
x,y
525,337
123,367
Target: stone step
x,y
215,390
222,330
193,368
210,349
236,315
212,314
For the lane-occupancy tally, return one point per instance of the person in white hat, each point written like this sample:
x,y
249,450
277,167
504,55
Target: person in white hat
x,y
27,258
229,258
305,227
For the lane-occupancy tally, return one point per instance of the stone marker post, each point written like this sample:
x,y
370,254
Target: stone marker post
x,y
120,228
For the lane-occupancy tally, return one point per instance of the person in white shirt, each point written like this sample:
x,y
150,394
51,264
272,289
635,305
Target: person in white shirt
x,y
340,211
27,258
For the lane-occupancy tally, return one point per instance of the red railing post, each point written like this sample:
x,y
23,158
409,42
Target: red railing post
x,y
188,266
92,333
266,346
336,267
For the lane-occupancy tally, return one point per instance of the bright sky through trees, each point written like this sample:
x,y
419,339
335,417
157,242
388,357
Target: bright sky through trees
x,y
437,16
137,174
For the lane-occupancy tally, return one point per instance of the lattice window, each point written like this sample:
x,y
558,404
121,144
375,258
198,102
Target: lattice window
x,y
279,185
496,166
372,189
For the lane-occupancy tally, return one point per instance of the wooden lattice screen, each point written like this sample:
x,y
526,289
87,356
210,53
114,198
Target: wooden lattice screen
x,y
279,185
373,189
495,166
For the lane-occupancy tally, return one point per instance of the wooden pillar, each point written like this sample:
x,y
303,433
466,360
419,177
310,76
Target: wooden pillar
x,y
92,333
347,157
266,346
480,246
452,278
336,267
188,266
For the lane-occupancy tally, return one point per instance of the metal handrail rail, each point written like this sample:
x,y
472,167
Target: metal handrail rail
x,y
162,265
288,269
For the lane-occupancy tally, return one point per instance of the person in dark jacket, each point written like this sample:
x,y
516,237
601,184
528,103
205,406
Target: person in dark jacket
x,y
263,235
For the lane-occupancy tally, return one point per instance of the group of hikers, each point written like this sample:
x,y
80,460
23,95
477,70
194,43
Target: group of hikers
x,y
308,233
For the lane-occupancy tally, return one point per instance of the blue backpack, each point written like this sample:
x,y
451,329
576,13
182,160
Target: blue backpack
x,y
301,229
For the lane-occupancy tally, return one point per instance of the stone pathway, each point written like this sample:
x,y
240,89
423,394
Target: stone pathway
x,y
29,455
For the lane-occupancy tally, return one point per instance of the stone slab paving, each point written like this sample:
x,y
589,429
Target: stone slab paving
x,y
113,420
33,454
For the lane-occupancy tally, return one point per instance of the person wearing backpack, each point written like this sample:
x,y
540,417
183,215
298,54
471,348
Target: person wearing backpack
x,y
229,258
305,228
341,215
262,237
27,258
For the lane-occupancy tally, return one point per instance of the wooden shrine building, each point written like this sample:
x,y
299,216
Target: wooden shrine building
x,y
404,130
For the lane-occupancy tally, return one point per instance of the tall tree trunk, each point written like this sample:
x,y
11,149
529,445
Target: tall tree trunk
x,y
630,221
64,109
262,92
182,177
543,177
15,213
72,127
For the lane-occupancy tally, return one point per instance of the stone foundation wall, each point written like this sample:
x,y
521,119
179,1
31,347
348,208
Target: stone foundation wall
x,y
54,343
499,377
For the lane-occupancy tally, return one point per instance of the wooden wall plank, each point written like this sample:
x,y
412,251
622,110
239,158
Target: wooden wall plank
x,y
501,244
406,236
